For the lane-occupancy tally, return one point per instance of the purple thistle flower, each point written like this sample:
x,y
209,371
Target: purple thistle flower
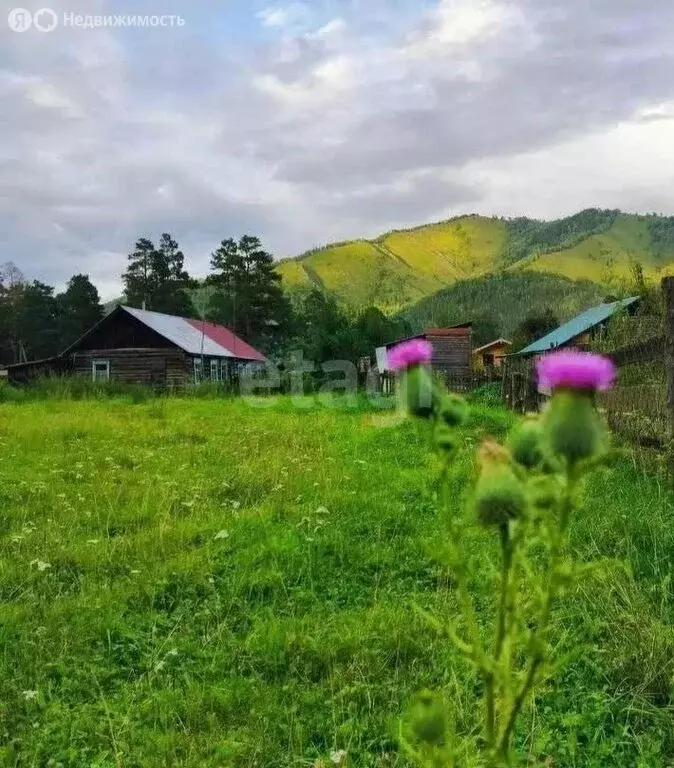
x,y
409,353
575,370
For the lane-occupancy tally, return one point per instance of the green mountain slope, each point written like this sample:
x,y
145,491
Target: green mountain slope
x,y
404,267
501,301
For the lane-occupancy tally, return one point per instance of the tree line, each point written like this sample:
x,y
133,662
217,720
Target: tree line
x,y
35,322
243,291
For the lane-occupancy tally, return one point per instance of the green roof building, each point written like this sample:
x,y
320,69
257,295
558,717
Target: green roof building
x,y
577,327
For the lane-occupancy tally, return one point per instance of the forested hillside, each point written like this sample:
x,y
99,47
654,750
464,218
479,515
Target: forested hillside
x,y
403,267
498,303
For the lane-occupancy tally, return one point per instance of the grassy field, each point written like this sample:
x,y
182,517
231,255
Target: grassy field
x,y
207,583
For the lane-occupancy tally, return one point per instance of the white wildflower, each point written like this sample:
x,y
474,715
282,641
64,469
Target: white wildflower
x,y
29,695
221,535
40,564
338,756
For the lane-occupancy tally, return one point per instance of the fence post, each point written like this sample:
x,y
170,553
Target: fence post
x,y
668,291
668,295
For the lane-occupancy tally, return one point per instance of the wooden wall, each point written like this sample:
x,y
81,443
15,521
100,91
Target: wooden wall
x,y
498,352
26,372
169,367
452,350
120,330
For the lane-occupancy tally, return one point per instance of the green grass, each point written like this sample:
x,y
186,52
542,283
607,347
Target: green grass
x,y
200,582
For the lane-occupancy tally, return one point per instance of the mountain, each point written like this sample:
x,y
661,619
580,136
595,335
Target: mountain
x,y
403,267
497,303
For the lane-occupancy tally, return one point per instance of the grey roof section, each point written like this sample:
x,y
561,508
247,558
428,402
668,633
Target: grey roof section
x,y
577,326
180,332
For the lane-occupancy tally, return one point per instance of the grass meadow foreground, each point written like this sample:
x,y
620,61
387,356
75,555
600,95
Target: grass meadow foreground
x,y
200,582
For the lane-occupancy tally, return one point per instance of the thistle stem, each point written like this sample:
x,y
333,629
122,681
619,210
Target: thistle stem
x,y
501,631
558,540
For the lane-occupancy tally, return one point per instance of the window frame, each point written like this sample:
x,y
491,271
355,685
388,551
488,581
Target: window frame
x,y
197,370
96,362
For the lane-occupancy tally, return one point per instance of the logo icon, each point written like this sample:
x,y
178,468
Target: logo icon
x,y
45,20
19,20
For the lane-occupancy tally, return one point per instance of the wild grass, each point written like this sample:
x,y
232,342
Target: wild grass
x,y
200,582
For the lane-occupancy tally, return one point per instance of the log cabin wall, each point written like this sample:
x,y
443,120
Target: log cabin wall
x,y
169,367
452,349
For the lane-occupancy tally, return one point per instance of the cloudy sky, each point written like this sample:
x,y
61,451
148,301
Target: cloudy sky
x,y
306,122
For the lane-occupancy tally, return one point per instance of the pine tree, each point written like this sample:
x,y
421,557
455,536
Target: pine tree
x,y
156,278
248,297
79,308
36,321
138,278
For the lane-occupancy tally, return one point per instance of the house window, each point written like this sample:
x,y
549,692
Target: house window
x,y
214,370
198,370
100,370
224,370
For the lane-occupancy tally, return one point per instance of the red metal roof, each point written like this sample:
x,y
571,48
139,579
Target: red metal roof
x,y
230,341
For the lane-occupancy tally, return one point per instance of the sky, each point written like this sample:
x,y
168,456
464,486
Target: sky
x,y
310,122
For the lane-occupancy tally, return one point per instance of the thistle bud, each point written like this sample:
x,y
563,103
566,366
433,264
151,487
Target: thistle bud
x,y
445,439
544,492
572,427
453,410
416,391
499,496
526,444
428,720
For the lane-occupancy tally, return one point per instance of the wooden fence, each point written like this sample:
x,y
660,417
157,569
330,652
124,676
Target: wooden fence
x,y
640,408
455,381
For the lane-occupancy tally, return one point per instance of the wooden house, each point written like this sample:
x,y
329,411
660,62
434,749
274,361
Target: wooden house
x,y
521,390
142,347
452,349
581,329
490,357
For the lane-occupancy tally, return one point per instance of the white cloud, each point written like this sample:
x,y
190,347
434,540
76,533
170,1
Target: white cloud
x,y
458,23
338,122
283,15
627,166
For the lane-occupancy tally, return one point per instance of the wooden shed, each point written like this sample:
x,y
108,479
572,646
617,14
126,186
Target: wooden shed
x,y
452,350
490,357
142,347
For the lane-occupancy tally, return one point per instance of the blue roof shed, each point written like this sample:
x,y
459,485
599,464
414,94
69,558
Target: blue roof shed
x,y
577,326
